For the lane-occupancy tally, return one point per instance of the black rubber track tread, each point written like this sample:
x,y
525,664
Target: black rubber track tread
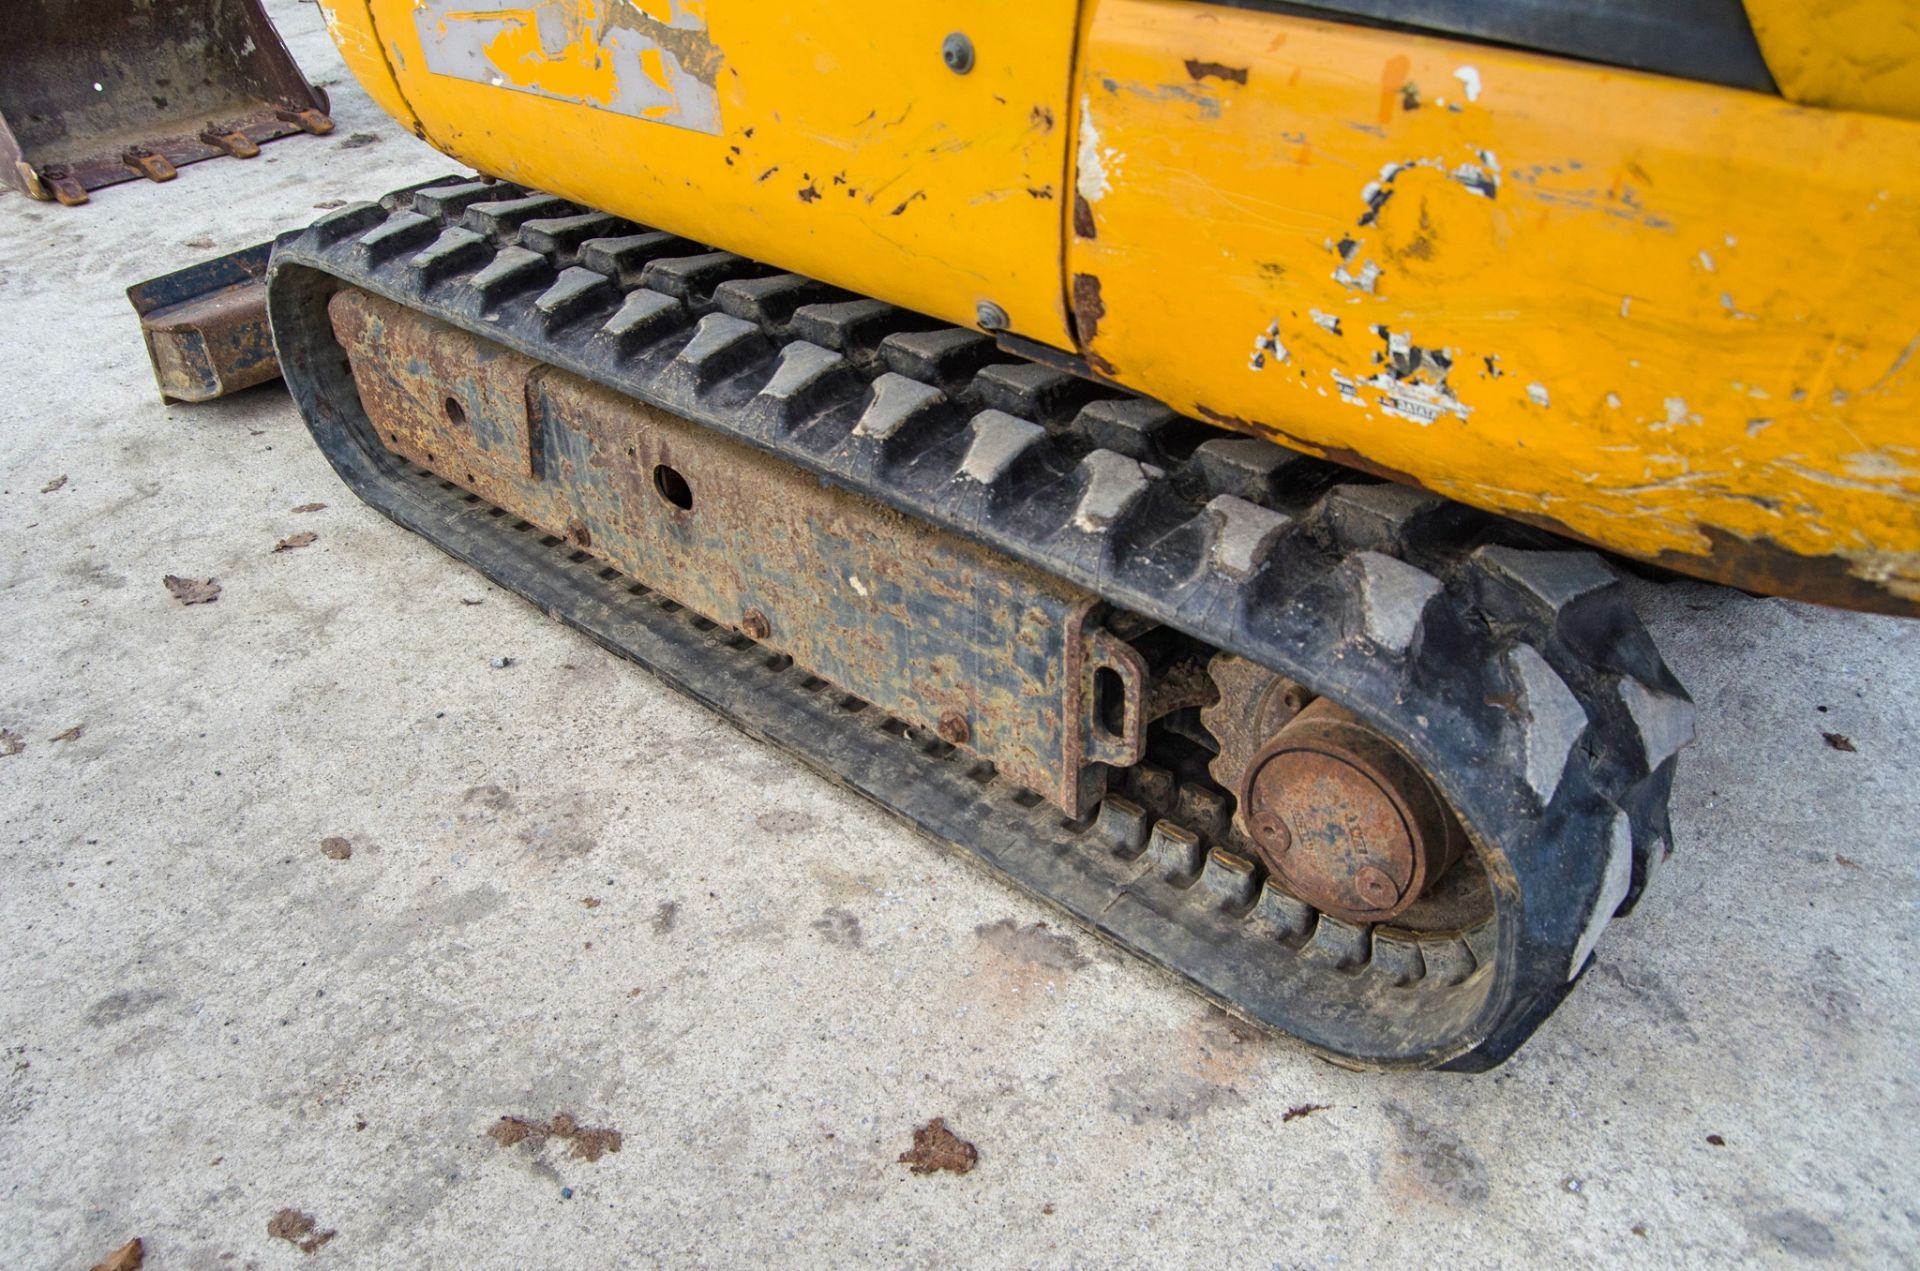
x,y
1519,679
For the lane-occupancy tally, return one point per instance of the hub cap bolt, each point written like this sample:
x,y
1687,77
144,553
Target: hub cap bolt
x,y
1374,884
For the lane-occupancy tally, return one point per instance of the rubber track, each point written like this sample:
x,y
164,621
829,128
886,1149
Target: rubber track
x,y
1519,678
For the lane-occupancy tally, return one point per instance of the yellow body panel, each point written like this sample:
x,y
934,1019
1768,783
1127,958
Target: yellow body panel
x,y
845,148
351,25
1857,54
1671,318
1674,319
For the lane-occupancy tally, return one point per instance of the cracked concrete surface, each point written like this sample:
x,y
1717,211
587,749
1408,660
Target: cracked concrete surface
x,y
206,1020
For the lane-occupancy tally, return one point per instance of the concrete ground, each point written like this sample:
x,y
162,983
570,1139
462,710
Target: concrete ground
x,y
570,890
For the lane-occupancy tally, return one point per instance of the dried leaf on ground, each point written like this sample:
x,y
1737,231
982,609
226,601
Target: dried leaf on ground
x,y
54,484
127,1257
590,1142
510,1130
298,1230
591,902
335,848
304,538
11,743
935,1147
1839,741
1301,1110
311,507
192,591
72,734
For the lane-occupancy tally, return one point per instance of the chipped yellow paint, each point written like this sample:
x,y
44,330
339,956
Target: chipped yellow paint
x,y
847,150
351,26
1659,314
1856,54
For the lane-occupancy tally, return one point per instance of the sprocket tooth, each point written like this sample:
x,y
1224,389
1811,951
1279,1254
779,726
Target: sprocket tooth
x,y
1343,945
721,346
643,317
1448,961
346,222
1378,517
626,257
1551,719
949,356
901,415
1242,535
1397,957
1033,391
1133,426
1229,881
1114,487
561,236
772,300
1664,721
1393,597
806,379
1122,825
997,447
1553,580
1280,916
455,250
399,233
1174,852
501,220
573,294
694,278
856,328
1201,809
1614,885
512,270
446,202
1245,467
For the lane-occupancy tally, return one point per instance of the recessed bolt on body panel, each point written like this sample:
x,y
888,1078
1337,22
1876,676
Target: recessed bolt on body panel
x,y
957,52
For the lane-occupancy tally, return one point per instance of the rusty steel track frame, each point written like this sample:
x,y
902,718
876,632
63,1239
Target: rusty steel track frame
x,y
1517,678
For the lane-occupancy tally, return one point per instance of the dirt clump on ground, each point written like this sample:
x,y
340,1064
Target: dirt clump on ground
x,y
935,1148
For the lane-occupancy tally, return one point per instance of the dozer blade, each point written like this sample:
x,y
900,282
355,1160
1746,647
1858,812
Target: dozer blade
x,y
95,92
1360,765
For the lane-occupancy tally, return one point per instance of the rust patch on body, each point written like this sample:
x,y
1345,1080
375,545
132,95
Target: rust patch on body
x,y
1088,308
1083,218
1200,70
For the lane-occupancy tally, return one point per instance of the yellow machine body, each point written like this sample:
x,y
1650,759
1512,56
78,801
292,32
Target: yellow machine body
x,y
1672,319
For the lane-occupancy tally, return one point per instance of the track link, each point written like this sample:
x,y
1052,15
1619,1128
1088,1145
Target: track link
x,y
1517,677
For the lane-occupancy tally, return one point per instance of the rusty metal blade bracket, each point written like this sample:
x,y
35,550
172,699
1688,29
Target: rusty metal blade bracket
x,y
206,326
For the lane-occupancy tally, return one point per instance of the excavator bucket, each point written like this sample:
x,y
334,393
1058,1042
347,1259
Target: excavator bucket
x,y
95,92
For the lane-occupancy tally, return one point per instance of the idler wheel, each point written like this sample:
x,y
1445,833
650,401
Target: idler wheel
x,y
1344,820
